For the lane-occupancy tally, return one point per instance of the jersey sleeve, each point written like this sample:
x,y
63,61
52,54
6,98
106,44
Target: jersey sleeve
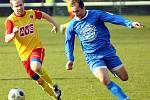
x,y
114,19
8,26
69,43
38,14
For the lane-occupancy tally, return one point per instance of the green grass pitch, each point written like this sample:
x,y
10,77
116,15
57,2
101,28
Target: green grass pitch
x,y
133,47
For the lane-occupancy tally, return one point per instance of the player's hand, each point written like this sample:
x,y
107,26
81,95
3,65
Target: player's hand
x,y
69,65
137,25
55,29
15,30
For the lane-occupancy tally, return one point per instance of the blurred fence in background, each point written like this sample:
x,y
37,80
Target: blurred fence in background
x,y
58,8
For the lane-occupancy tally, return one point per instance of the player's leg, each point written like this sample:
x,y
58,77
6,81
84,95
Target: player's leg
x,y
116,67
38,79
47,87
36,59
102,75
114,64
48,80
121,73
45,76
98,66
53,91
35,67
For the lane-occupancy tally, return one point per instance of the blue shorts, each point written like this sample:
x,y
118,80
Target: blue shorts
x,y
106,59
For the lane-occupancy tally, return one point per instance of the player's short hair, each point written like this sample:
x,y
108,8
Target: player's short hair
x,y
81,3
15,0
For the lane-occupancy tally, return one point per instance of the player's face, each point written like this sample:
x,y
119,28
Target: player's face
x,y
77,10
18,7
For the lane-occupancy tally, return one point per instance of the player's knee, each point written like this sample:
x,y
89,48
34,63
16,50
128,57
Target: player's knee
x,y
122,74
35,76
104,80
124,78
35,66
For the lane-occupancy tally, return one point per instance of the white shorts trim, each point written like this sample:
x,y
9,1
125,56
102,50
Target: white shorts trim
x,y
117,67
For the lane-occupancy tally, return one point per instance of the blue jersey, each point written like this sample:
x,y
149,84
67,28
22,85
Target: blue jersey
x,y
92,32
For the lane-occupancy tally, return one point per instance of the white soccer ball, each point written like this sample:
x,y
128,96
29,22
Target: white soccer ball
x,y
16,94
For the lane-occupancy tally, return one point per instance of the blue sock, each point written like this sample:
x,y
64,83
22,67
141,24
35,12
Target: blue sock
x,y
116,91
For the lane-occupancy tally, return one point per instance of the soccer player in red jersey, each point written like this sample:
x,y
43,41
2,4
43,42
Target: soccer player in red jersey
x,y
22,30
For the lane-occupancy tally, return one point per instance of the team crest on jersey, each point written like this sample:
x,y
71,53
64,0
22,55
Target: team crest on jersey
x,y
88,32
31,16
26,30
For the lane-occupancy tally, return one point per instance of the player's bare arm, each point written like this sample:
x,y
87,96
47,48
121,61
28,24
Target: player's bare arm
x,y
51,21
10,37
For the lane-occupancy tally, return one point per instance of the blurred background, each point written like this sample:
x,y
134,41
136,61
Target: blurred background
x,y
58,7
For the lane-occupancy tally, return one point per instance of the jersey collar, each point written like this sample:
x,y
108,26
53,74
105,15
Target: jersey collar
x,y
82,17
20,15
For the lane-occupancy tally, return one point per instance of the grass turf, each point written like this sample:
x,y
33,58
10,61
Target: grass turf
x,y
79,84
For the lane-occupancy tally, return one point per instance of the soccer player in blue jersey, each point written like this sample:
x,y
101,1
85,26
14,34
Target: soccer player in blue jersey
x,y
94,36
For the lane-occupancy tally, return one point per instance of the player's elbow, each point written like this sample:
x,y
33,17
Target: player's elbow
x,y
45,15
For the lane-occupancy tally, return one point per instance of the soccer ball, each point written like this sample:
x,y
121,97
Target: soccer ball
x,y
16,94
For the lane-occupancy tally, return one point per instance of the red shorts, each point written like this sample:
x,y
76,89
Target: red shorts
x,y
37,53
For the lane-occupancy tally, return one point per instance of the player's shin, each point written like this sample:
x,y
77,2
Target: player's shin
x,y
45,76
116,91
48,89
